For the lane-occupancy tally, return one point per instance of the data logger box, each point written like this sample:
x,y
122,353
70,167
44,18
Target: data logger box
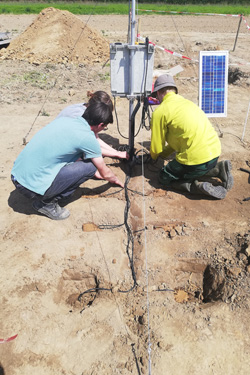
x,y
120,69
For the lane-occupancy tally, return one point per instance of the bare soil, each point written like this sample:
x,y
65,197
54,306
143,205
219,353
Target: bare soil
x,y
190,310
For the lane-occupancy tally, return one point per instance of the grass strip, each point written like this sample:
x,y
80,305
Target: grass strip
x,y
118,8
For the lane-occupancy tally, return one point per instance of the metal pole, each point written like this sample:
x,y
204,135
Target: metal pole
x,y
237,32
243,134
138,30
129,23
131,80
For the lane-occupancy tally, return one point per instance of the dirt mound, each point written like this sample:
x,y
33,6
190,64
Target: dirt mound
x,y
58,36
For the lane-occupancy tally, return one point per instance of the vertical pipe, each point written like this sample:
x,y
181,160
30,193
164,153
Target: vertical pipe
x,y
243,134
138,30
133,23
131,80
129,24
237,32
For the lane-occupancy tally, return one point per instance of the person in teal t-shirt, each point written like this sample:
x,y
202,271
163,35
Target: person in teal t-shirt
x,y
63,155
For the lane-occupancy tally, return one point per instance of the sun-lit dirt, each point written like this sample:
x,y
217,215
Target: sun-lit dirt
x,y
190,309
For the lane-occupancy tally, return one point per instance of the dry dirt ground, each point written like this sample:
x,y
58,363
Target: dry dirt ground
x,y
194,253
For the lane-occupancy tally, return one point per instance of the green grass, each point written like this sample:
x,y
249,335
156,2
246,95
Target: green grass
x,y
117,8
31,78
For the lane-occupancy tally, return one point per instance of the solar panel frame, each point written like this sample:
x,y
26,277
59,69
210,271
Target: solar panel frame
x,y
213,82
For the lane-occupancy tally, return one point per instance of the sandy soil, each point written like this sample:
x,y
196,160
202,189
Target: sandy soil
x,y
197,248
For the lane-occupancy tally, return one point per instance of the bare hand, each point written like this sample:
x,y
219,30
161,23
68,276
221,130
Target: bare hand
x,y
123,155
118,182
98,175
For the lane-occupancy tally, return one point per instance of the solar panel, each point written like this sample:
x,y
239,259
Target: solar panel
x,y
213,80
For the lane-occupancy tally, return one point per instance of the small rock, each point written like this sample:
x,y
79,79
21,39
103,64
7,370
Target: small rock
x,y
242,257
115,289
178,229
234,271
71,92
247,251
232,298
172,233
205,223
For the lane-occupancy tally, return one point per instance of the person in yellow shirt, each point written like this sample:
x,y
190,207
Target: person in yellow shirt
x,y
178,125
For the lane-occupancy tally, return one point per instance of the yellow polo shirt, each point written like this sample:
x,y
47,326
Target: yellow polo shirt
x,y
186,129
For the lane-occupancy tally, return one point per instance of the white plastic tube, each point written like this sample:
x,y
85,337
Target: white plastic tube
x,y
244,130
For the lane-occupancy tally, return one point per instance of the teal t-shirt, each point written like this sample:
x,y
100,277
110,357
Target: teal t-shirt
x,y
62,141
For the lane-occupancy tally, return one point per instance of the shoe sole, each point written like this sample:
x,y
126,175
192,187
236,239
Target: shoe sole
x,y
230,180
218,192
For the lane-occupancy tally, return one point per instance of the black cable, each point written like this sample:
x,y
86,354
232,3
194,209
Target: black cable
x,y
129,246
145,108
132,128
143,155
135,192
90,291
115,192
136,360
130,237
117,123
145,114
140,126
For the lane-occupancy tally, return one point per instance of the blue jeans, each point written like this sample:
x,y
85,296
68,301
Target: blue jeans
x,y
69,178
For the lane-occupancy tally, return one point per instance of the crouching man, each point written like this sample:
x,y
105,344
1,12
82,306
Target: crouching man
x,y
178,125
62,156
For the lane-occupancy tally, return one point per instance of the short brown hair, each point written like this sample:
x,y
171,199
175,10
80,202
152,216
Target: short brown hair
x,y
97,113
103,97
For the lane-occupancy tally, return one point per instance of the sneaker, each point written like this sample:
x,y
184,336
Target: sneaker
x,y
218,192
52,210
226,175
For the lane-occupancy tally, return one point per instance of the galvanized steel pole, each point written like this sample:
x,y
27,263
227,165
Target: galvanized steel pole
x,y
131,80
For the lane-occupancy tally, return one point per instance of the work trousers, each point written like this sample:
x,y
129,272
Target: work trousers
x,y
69,178
174,171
